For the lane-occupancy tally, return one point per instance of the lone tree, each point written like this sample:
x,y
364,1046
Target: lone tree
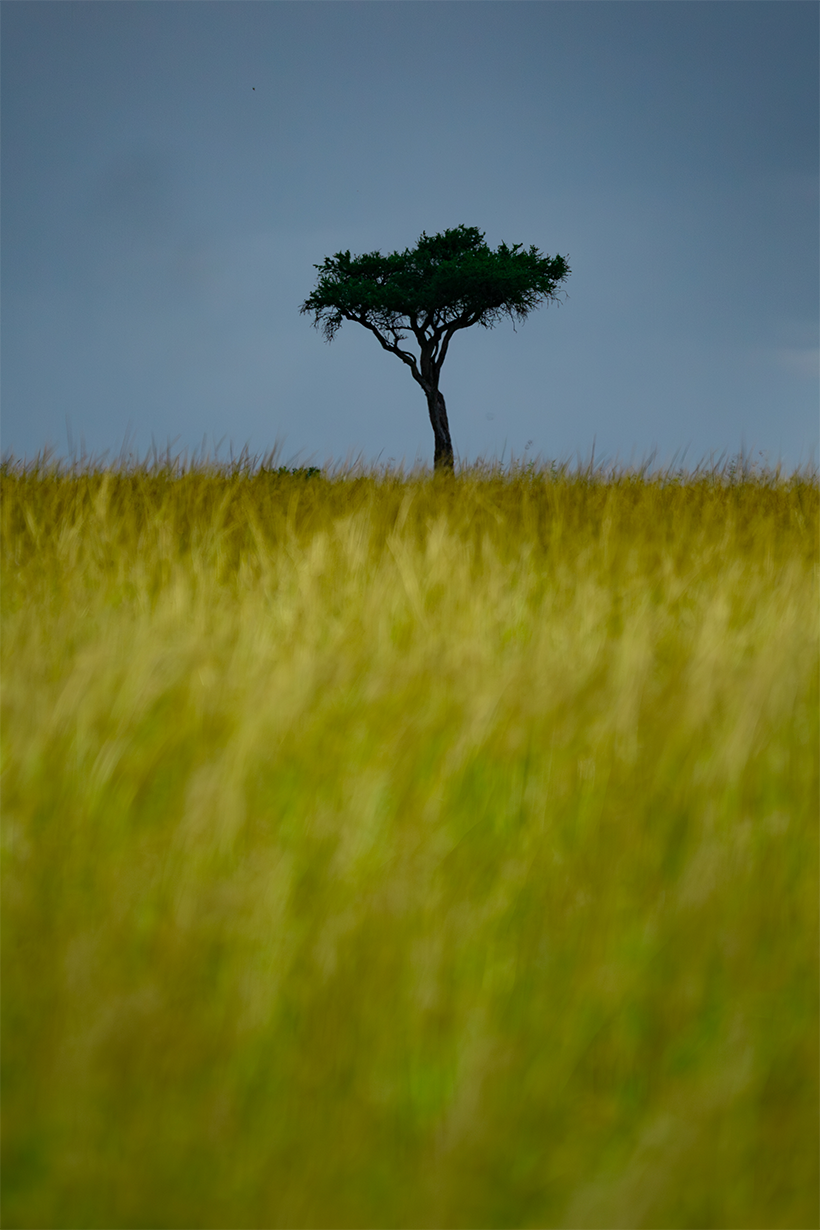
x,y
447,282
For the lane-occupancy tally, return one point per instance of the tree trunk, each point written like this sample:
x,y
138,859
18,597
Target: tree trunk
x,y
443,457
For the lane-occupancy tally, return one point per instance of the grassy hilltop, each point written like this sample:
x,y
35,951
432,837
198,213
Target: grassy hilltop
x,y
392,851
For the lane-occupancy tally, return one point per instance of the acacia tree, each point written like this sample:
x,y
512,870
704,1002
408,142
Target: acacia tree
x,y
447,282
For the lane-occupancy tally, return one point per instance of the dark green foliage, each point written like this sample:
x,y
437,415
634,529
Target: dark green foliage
x,y
453,280
299,471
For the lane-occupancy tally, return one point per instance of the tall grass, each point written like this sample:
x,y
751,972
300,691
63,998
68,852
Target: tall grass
x,y
389,851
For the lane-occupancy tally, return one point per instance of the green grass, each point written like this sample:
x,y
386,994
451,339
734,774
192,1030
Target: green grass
x,y
389,851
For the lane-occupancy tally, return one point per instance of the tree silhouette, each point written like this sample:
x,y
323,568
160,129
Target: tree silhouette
x,y
447,282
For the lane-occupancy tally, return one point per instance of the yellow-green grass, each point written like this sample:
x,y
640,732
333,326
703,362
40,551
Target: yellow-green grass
x,y
390,851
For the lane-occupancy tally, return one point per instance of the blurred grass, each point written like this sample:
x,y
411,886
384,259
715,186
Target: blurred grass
x,y
388,851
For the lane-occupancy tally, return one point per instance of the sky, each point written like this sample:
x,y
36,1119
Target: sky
x,y
172,172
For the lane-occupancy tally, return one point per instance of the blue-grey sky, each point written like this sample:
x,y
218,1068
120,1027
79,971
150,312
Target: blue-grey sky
x,y
172,172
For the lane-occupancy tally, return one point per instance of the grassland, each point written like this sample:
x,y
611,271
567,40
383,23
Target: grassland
x,y
389,851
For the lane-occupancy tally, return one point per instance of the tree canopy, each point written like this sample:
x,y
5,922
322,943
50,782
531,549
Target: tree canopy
x,y
447,282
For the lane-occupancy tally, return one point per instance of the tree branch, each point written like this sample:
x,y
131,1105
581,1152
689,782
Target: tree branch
x,y
464,321
393,347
